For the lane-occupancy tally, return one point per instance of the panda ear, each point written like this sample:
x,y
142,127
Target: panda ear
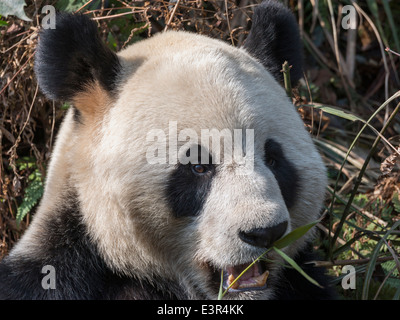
x,y
71,61
274,38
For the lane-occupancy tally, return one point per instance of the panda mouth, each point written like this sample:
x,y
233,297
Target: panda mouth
x,y
254,278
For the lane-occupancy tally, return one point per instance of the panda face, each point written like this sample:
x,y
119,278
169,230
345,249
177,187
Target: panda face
x,y
124,148
192,221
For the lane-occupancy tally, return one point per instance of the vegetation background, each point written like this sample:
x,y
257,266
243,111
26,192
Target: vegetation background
x,y
349,100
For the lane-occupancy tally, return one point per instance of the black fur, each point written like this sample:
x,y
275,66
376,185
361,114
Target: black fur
x,y
293,286
274,38
71,56
186,192
80,271
77,115
284,172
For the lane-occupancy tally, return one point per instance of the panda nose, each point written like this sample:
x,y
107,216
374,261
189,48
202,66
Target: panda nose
x,y
264,237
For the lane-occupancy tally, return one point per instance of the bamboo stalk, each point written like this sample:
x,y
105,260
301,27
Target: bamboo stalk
x,y
286,78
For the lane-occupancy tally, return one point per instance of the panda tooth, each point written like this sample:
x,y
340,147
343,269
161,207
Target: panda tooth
x,y
262,279
258,281
231,278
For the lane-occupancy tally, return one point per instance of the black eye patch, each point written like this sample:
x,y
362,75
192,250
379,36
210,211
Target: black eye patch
x,y
283,170
186,190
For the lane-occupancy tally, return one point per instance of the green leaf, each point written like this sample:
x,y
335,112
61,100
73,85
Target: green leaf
x,y
294,235
112,42
13,8
65,106
33,193
336,112
296,266
396,202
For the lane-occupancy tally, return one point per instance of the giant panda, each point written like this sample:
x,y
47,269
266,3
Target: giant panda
x,y
116,223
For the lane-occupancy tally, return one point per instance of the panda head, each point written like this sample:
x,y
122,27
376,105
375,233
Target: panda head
x,y
155,207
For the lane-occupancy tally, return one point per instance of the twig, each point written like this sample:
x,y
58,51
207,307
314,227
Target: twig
x,y
125,4
113,16
330,264
53,122
311,102
87,3
239,20
19,42
133,31
172,15
301,17
13,149
20,69
391,51
227,20
314,4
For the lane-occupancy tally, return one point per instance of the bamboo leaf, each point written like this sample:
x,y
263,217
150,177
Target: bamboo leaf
x,y
294,235
220,293
336,112
296,266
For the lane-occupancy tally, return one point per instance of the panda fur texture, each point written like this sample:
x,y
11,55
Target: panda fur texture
x,y
113,225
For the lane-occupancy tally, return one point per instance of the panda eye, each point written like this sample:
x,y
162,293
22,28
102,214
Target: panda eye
x,y
271,162
199,169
